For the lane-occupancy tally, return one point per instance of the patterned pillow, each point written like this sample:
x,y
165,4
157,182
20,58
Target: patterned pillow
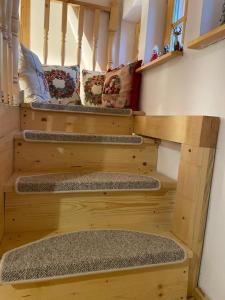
x,y
63,83
91,88
121,86
31,76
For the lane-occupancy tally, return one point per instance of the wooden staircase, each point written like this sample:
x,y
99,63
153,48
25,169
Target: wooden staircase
x,y
31,216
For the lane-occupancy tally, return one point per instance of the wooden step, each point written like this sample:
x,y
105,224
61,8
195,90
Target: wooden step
x,y
70,121
137,210
64,156
88,252
167,280
85,182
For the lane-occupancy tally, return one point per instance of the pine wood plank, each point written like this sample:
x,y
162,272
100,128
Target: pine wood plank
x,y
50,157
144,211
193,130
75,122
168,282
192,198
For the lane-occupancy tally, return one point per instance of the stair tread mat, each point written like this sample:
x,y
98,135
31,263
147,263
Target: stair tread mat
x,y
82,109
43,136
86,182
85,252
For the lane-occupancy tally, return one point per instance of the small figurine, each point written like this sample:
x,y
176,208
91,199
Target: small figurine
x,y
177,31
155,53
222,19
166,49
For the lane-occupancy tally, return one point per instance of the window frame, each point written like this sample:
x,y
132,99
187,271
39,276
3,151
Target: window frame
x,y
170,24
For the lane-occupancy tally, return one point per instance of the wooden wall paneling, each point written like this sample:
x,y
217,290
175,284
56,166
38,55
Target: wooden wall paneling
x,y
46,29
25,16
95,37
15,49
64,31
193,191
193,130
113,27
168,282
9,119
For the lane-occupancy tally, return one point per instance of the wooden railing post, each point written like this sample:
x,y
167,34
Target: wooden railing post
x,y
10,56
113,26
95,37
15,49
5,51
80,31
64,31
46,30
1,46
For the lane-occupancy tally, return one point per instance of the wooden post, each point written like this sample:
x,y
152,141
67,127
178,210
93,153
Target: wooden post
x,y
113,26
95,37
192,198
64,30
5,51
136,41
10,55
46,30
1,58
15,49
25,22
80,31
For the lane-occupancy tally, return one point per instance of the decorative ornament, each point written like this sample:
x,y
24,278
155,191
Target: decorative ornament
x,y
166,49
155,53
177,31
222,18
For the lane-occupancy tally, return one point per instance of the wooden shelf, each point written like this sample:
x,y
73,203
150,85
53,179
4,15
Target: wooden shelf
x,y
208,38
162,60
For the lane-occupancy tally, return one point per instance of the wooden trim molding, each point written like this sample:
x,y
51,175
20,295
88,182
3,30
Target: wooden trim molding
x,y
200,295
199,131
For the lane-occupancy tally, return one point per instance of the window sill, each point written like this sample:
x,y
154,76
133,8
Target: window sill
x,y
209,38
162,60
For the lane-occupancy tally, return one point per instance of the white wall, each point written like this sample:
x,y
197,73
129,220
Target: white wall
x,y
195,84
211,14
153,24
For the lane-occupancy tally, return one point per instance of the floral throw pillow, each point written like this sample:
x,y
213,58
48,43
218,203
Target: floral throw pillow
x,y
63,83
122,87
31,76
92,87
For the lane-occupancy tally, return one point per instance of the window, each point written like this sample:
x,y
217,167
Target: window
x,y
176,20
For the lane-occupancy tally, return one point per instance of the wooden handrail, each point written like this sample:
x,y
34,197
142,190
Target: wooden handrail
x,y
87,5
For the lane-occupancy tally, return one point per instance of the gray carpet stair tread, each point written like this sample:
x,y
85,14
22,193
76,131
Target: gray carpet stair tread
x,y
43,136
95,181
82,109
85,252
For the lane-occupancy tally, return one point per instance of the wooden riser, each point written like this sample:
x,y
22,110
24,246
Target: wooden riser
x,y
35,156
75,122
144,211
156,283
